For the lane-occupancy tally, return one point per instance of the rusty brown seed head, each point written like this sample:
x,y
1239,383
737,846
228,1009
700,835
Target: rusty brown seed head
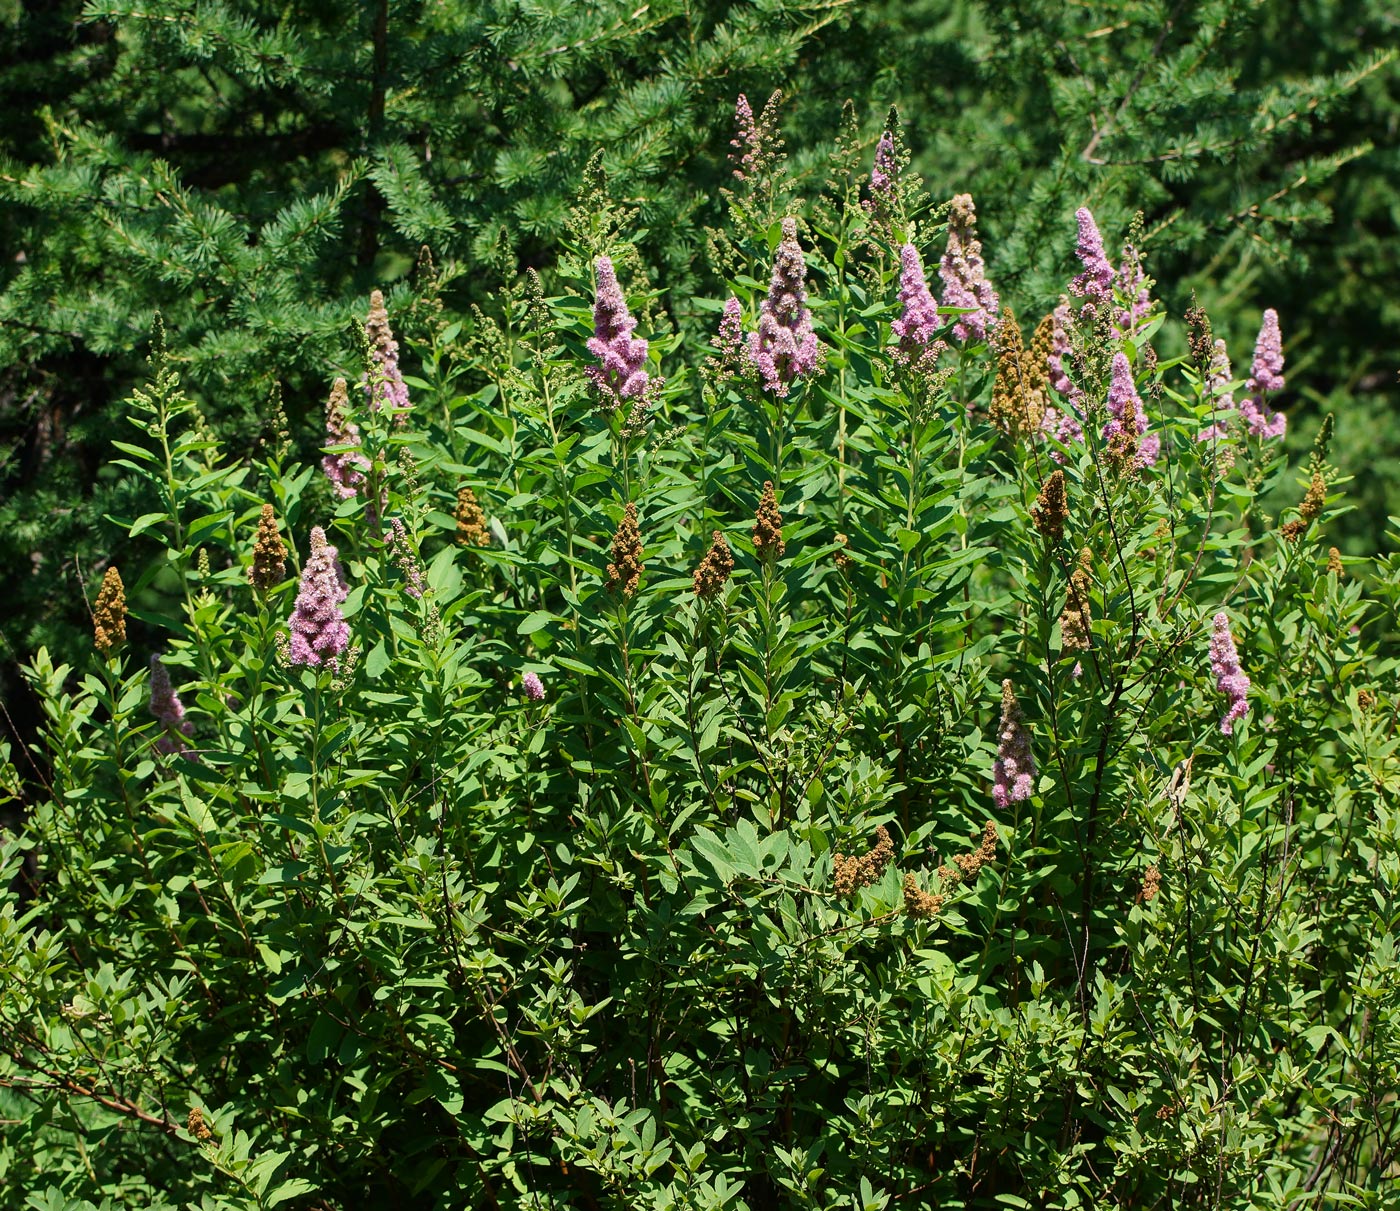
x,y
713,572
109,613
269,566
471,521
625,570
768,528
1051,508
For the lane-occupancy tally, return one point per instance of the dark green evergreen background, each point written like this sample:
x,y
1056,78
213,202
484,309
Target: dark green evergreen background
x,y
253,169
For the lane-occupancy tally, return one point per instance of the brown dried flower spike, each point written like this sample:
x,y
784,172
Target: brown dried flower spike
x,y
1076,621
1310,510
625,570
471,521
269,566
1151,884
109,614
917,902
1051,508
1018,406
196,1125
713,572
967,866
768,531
861,870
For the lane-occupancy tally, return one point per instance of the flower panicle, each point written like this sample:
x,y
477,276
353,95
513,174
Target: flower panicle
x,y
918,321
1265,376
756,145
1014,768
625,569
714,569
472,530
884,179
269,566
1230,678
319,632
109,612
768,542
1130,282
621,370
384,385
165,705
344,463
1018,401
964,273
1126,430
1094,283
1051,508
852,872
785,348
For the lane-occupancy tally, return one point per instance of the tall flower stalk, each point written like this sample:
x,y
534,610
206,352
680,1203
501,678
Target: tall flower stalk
x,y
384,385
964,274
785,347
319,632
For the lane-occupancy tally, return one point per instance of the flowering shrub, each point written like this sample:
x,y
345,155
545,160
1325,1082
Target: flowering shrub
x,y
871,759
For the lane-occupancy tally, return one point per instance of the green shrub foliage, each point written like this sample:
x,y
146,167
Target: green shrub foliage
x,y
784,767
252,170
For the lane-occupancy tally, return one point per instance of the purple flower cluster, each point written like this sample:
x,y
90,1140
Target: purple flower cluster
x,y
964,275
1218,376
345,469
169,711
1131,283
1230,678
746,142
319,632
383,385
622,357
1059,350
730,339
533,686
1062,424
1095,283
1266,374
1123,397
884,177
785,347
919,320
1014,769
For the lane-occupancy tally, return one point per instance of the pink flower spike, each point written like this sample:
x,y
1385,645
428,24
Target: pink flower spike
x,y
533,686
319,632
345,469
383,385
622,358
1266,374
1230,678
964,275
1014,769
919,320
168,710
785,347
746,140
1131,284
1095,283
1122,393
884,176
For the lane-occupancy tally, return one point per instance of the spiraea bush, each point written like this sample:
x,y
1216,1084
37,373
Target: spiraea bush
x,y
883,756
